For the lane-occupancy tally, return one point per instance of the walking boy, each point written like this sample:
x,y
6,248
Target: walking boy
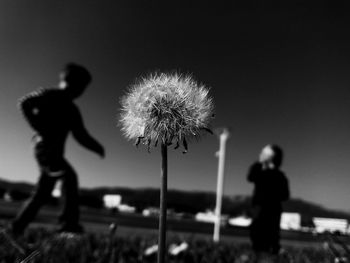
x,y
53,114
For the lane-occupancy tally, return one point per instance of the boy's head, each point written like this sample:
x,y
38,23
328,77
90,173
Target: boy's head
x,y
272,153
74,79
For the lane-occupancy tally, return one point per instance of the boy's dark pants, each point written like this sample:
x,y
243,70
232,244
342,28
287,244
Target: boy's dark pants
x,y
46,183
265,230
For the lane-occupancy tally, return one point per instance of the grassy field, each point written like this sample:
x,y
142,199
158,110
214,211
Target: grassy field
x,y
42,245
98,220
135,234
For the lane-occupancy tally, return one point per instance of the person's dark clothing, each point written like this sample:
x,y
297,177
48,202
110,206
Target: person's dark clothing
x,y
52,115
70,214
270,190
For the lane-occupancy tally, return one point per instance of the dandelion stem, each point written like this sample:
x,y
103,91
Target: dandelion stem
x,y
163,204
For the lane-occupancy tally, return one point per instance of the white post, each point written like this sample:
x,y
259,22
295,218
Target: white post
x,y
220,183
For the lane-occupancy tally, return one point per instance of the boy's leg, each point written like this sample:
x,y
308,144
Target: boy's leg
x,y
70,214
275,233
31,208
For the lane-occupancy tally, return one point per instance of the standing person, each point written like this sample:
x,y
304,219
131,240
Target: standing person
x,y
270,190
52,114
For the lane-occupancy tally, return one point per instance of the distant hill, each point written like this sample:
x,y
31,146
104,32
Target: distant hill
x,y
9,185
180,201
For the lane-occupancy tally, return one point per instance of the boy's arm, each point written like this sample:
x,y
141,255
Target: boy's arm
x,y
83,137
254,171
30,106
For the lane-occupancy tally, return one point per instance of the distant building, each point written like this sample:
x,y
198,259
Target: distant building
x,y
290,221
150,211
126,208
210,217
242,221
112,201
331,225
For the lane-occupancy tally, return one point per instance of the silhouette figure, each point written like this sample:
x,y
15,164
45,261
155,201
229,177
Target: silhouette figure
x,y
270,190
53,115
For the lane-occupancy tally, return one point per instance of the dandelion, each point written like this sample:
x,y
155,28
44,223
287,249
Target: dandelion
x,y
165,109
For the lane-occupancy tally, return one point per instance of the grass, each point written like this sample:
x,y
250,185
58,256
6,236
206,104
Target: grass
x,y
49,247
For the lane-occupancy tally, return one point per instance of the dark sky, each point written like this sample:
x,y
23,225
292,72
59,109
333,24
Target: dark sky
x,y
277,73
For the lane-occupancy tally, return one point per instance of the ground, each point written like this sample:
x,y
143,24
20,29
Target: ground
x,y
134,234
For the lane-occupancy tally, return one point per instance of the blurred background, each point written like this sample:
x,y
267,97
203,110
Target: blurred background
x,y
277,73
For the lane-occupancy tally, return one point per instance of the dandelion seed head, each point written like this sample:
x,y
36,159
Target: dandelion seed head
x,y
165,108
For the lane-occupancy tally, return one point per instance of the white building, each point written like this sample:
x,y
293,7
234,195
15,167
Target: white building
x,y
150,211
290,221
210,217
126,208
331,225
112,201
242,221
